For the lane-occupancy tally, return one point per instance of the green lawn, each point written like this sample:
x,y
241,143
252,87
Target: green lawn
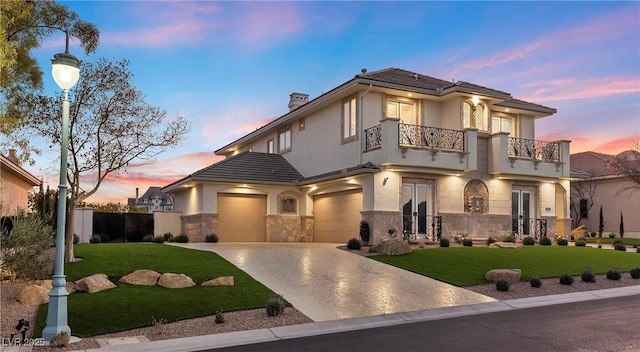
x,y
465,266
130,306
607,240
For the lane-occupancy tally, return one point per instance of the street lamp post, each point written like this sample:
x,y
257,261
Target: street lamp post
x,y
66,72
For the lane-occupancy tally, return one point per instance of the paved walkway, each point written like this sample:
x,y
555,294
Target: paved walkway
x,y
326,283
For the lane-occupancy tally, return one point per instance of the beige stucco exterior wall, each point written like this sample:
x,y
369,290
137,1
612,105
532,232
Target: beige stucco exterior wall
x,y
527,127
15,193
166,222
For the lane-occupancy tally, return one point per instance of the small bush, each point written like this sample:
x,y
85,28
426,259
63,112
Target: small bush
x,y
182,238
147,238
467,242
618,241
562,242
545,241
167,236
212,237
61,340
614,274
158,239
502,285
354,243
76,239
509,238
638,250
444,242
620,247
587,275
20,252
529,241
566,279
95,239
219,318
612,235
158,325
275,305
635,272
490,240
171,239
535,282
581,243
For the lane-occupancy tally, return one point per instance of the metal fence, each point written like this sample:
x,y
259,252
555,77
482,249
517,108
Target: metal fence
x,y
122,227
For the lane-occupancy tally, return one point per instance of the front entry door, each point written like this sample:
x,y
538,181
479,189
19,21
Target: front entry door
x,y
415,210
521,212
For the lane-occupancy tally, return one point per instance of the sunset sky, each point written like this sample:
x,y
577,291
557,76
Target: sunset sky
x,y
229,67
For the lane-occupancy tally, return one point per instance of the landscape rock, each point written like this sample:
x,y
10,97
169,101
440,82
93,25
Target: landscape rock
x,y
393,246
220,281
71,287
508,245
33,295
95,283
171,280
142,277
48,284
579,232
510,275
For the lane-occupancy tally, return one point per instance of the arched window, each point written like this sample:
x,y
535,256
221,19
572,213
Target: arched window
x,y
473,115
288,205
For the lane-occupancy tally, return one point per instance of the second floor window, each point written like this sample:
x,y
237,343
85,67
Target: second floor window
x,y
349,120
406,112
501,124
270,147
473,115
284,141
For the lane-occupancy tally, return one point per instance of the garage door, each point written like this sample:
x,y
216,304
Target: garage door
x,y
242,218
337,216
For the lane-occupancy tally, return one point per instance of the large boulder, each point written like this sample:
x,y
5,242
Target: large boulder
x,y
511,275
393,246
508,245
95,283
579,232
171,280
142,277
33,295
220,281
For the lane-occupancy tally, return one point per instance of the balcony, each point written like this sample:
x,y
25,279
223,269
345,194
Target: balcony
x,y
528,157
442,150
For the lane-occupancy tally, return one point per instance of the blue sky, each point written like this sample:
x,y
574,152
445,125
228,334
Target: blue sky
x,y
229,67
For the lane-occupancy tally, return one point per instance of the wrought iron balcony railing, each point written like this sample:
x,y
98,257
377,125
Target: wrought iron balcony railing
x,y
523,227
373,137
529,148
416,136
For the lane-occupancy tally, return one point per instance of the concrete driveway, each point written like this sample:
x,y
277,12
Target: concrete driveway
x,y
326,283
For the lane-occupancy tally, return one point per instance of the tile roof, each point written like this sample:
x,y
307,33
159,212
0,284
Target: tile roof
x,y
406,78
593,163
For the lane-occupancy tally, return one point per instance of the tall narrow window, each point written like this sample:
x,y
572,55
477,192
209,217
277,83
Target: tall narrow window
x,y
270,147
349,121
284,141
473,116
584,209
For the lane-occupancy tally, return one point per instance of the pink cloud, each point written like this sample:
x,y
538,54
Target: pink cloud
x,y
593,142
582,88
262,21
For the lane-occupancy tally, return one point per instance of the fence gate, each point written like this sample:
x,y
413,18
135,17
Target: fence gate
x,y
122,227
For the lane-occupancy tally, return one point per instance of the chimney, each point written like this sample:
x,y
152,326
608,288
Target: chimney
x,y
297,99
13,156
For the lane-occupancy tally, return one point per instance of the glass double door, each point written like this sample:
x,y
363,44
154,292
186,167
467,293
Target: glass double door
x,y
415,210
521,212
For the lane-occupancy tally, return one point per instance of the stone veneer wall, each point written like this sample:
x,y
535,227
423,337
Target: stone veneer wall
x,y
380,222
552,232
475,225
283,228
198,226
307,225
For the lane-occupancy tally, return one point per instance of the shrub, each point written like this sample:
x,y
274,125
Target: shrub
x,y
171,238
502,285
467,242
614,274
444,242
635,272
612,235
535,282
95,239
158,239
581,243
562,242
529,241
275,305
354,243
182,238
587,275
219,319
545,241
20,253
566,279
490,240
158,325
61,340
167,236
618,241
212,237
593,234
620,247
76,239
364,231
147,238
509,238
637,249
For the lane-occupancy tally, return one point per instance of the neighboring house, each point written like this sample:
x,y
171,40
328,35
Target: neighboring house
x,y
616,192
15,183
409,154
152,200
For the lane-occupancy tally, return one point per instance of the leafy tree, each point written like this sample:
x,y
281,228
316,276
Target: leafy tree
x,y
111,127
23,27
44,204
110,207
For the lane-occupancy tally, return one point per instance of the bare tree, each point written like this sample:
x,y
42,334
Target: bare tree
x,y
111,126
584,192
628,164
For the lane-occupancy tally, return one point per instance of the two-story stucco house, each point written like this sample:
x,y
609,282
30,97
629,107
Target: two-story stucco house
x,y
410,154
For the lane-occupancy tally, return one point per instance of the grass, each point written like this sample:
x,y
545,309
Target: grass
x,y
130,306
466,266
626,241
